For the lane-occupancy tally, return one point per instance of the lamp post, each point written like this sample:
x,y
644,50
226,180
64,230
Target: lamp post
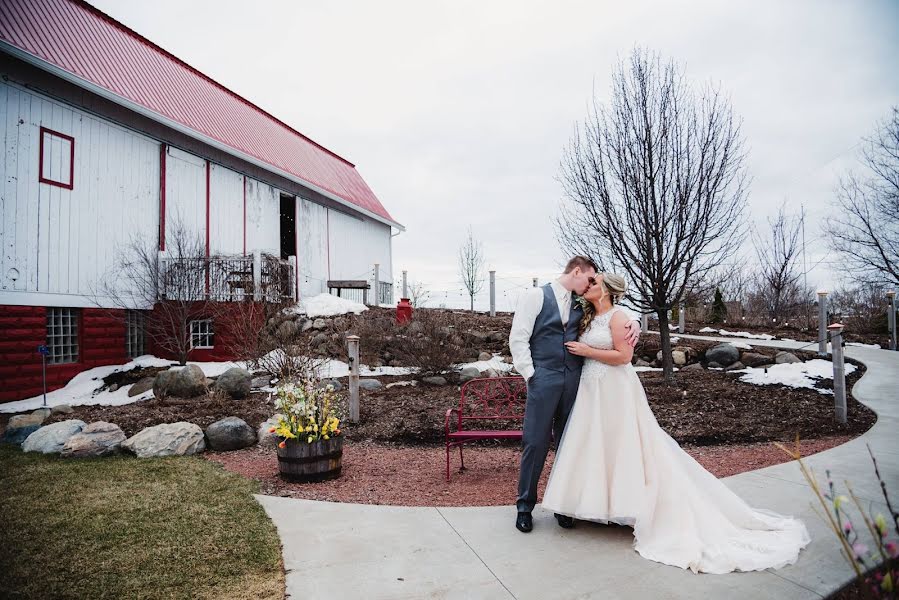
x,y
822,322
891,318
44,351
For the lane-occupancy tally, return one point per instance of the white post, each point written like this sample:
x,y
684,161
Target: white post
x,y
492,293
257,275
681,319
377,284
295,277
644,322
822,323
839,372
891,318
535,282
352,342
405,286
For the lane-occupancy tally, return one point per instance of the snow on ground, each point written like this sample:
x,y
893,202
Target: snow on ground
x,y
325,305
746,334
708,330
795,375
496,363
740,345
337,368
860,345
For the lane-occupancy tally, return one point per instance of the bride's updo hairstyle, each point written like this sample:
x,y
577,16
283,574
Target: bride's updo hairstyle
x,y
615,286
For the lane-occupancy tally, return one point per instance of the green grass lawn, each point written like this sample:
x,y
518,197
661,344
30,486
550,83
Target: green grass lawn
x,y
124,527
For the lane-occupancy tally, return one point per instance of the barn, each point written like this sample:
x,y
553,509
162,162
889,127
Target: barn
x,y
108,139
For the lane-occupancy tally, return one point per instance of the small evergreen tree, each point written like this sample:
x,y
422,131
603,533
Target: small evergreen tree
x,y
719,309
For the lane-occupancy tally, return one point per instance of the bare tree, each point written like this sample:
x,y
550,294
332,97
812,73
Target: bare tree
x,y
418,294
778,251
655,184
471,266
865,229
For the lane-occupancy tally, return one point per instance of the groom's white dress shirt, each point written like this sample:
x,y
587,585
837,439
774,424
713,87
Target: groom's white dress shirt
x,y
529,306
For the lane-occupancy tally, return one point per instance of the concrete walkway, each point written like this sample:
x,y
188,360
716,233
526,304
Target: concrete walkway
x,y
363,551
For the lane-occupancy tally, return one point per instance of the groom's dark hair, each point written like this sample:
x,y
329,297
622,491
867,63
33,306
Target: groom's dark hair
x,y
580,261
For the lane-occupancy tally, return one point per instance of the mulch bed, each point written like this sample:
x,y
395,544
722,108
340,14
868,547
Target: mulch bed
x,y
415,475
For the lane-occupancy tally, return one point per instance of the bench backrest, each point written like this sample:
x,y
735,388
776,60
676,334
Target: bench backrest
x,y
493,398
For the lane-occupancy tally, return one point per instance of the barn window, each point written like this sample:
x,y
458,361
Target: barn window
x,y
57,158
134,333
201,334
62,335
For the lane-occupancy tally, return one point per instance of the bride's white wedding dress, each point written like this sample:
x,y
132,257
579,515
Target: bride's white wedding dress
x,y
616,464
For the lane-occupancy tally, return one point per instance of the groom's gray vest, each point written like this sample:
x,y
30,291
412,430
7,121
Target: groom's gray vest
x,y
548,340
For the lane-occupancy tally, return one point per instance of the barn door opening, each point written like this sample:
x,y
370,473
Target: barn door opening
x,y
288,226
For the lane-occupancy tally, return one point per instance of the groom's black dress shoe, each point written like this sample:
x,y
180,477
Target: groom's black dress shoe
x,y
524,522
565,521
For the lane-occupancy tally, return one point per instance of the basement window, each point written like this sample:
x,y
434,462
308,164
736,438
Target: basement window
x,y
201,334
62,335
57,159
134,333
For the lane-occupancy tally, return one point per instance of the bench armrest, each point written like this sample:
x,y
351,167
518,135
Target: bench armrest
x,y
446,424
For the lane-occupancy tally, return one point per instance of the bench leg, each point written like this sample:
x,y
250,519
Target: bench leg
x,y
461,460
447,463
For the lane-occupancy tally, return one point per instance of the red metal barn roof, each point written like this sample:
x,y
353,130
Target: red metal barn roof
x,y
82,41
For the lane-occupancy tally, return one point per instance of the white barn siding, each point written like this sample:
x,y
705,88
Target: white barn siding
x,y
263,217
59,241
225,211
185,195
312,247
356,245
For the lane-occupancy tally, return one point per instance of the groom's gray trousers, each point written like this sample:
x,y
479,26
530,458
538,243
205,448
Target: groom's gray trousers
x,y
552,390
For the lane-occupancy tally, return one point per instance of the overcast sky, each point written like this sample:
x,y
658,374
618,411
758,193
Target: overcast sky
x,y
456,113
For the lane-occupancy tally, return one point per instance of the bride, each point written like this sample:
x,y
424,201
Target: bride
x,y
616,464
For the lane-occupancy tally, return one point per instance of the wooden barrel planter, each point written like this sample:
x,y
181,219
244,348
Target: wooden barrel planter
x,y
303,462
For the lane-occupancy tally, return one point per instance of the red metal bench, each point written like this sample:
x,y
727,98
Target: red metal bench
x,y
485,400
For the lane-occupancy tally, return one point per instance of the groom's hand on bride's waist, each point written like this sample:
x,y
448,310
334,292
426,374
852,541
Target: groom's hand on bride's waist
x,y
633,333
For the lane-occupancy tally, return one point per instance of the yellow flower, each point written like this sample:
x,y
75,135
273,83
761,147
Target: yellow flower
x,y
309,439
326,437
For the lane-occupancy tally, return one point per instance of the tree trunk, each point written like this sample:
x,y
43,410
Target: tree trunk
x,y
472,303
665,334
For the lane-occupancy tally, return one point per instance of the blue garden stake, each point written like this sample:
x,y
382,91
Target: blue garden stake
x,y
44,351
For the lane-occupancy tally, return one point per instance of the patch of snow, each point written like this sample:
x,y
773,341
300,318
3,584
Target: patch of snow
x,y
746,334
337,368
795,375
672,327
401,384
325,305
496,363
740,345
675,340
708,330
860,345
648,369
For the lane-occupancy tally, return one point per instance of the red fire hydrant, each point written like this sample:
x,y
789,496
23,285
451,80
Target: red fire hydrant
x,y
403,311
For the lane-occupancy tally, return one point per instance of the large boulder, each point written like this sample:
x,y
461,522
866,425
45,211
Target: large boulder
x,y
678,357
17,435
43,413
287,330
723,354
437,380
235,382
25,420
754,359
334,383
52,438
785,358
168,439
485,356
264,434
230,433
469,373
319,324
370,384
97,439
693,367
144,385
186,382
62,409
737,366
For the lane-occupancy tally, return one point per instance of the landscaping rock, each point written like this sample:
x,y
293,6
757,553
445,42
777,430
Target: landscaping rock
x,y
319,324
17,435
97,439
340,323
753,359
642,363
477,336
162,383
485,356
306,326
723,354
43,412
260,382
490,373
144,385
332,382
25,420
287,330
52,438
693,367
188,382
370,384
62,409
497,336
508,360
415,327
786,358
235,382
678,357
714,365
320,338
168,439
266,438
735,367
230,433
469,373
434,380
113,388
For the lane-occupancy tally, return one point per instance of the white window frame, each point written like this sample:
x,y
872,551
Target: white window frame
x,y
202,330
63,336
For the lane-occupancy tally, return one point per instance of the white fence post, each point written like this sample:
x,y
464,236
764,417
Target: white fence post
x,y
822,323
257,275
377,301
644,322
891,318
839,372
405,286
681,318
492,293
352,342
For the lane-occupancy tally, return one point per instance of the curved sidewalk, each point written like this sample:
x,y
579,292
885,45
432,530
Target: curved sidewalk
x,y
365,551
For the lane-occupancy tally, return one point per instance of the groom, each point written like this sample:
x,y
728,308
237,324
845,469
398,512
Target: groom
x,y
546,318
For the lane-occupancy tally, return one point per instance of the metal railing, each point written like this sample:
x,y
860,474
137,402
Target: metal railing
x,y
227,278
